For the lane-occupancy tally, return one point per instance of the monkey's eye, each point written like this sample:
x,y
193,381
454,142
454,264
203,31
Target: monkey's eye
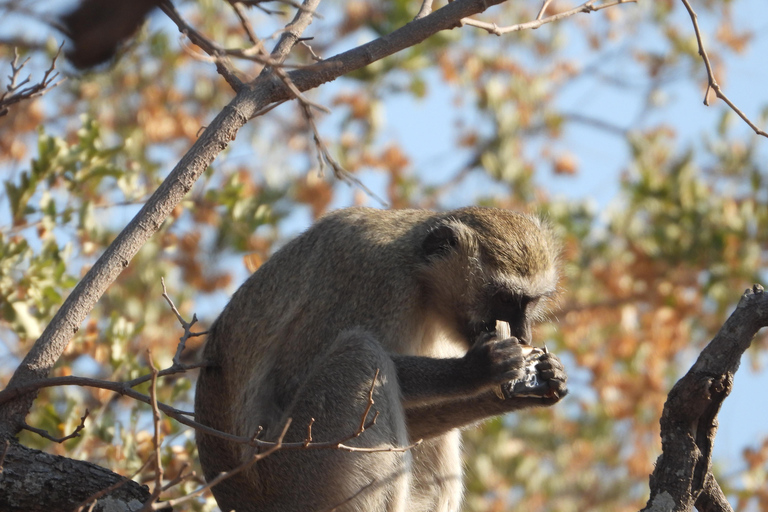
x,y
513,299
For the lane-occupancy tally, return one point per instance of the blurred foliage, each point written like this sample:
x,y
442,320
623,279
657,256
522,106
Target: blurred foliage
x,y
648,278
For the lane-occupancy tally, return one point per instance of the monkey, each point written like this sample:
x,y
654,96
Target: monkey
x,y
438,306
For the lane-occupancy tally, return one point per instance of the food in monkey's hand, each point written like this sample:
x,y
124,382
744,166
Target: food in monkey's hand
x,y
531,384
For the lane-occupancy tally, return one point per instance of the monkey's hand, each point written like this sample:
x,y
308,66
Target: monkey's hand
x,y
544,378
491,362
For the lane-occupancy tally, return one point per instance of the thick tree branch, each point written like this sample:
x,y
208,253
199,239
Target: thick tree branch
x,y
251,99
683,476
64,482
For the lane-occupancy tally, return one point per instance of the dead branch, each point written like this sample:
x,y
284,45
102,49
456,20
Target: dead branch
x,y
15,92
712,84
187,326
683,475
183,417
324,157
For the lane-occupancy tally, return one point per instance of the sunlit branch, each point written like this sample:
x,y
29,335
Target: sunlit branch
x,y
712,84
586,7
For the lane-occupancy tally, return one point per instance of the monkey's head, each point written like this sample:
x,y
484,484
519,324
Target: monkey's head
x,y
487,265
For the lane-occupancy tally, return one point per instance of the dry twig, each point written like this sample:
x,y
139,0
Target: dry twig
x,y
324,157
45,434
187,326
15,93
586,7
543,9
156,442
712,84
217,54
426,8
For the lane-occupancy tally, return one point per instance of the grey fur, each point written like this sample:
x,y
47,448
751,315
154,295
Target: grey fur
x,y
407,292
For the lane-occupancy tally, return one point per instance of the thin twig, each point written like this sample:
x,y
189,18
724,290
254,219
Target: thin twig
x,y
296,5
242,467
324,156
217,53
245,23
586,7
308,440
187,326
315,56
712,83
14,93
543,9
156,442
45,434
181,416
426,9
181,477
369,405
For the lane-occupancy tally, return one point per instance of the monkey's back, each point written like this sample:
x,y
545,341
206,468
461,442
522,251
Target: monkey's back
x,y
326,281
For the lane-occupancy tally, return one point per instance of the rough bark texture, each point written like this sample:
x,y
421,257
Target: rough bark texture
x,y
682,477
32,481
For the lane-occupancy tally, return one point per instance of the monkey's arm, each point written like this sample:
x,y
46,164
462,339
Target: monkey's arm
x,y
488,364
426,421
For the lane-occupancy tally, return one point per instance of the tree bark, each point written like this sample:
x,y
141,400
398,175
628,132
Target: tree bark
x,y
35,481
683,474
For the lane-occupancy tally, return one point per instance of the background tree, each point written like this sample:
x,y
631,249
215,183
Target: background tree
x,y
605,105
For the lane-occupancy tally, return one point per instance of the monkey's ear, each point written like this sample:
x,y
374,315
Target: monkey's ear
x,y
440,241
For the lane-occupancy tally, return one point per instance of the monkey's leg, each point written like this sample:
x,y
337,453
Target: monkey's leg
x,y
428,421
334,397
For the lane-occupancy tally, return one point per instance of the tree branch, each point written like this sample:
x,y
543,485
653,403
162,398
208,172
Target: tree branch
x,y
15,93
66,483
586,7
683,476
712,84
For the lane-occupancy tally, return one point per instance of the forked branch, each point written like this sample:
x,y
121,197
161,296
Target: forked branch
x,y
683,474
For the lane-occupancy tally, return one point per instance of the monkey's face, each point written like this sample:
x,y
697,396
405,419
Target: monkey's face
x,y
493,266
517,302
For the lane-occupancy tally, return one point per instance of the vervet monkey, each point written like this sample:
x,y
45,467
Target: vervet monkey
x,y
413,294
